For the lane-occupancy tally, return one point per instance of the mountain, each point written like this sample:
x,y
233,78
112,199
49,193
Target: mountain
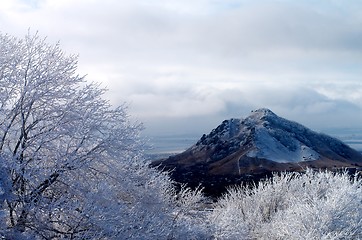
x,y
244,150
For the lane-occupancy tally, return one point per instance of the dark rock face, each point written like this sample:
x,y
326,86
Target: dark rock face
x,y
246,150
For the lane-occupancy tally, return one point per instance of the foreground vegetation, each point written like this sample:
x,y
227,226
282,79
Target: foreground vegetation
x,y
71,166
314,205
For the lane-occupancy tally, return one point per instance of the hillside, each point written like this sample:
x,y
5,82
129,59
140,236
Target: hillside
x,y
251,148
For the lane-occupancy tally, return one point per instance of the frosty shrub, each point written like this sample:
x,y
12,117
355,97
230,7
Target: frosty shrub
x,y
314,205
71,165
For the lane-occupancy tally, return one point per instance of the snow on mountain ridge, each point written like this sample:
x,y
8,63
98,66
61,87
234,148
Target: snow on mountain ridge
x,y
274,138
279,139
269,147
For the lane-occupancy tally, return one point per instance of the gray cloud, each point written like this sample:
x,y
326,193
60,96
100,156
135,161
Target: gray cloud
x,y
181,61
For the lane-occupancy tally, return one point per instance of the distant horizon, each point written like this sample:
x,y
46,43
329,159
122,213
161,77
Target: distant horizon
x,y
177,143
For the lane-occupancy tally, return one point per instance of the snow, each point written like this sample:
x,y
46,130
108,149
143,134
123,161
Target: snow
x,y
274,138
270,148
265,135
275,143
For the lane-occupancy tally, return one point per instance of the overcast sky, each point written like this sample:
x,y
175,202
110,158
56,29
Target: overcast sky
x,y
185,65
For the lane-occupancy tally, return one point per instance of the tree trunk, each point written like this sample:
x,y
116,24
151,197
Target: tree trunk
x,y
21,223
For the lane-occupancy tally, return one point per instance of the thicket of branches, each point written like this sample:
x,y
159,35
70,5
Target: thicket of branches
x,y
71,167
314,205
71,164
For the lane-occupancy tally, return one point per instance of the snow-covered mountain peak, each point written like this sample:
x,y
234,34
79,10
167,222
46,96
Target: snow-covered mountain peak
x,y
257,145
260,117
278,139
263,112
265,135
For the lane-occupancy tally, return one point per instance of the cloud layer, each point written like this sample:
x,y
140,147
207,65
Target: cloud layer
x,y
189,64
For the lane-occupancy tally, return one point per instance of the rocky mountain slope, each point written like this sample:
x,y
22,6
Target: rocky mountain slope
x,y
254,147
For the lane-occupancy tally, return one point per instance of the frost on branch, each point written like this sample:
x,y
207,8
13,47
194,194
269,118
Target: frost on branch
x,y
314,205
72,163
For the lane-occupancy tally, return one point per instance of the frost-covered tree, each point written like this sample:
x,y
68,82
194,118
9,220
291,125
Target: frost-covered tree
x,y
70,163
314,205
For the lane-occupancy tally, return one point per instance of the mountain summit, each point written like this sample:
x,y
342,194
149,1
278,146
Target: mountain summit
x,y
257,145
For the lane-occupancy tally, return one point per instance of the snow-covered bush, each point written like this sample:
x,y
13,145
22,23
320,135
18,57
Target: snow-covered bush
x,y
71,164
314,205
